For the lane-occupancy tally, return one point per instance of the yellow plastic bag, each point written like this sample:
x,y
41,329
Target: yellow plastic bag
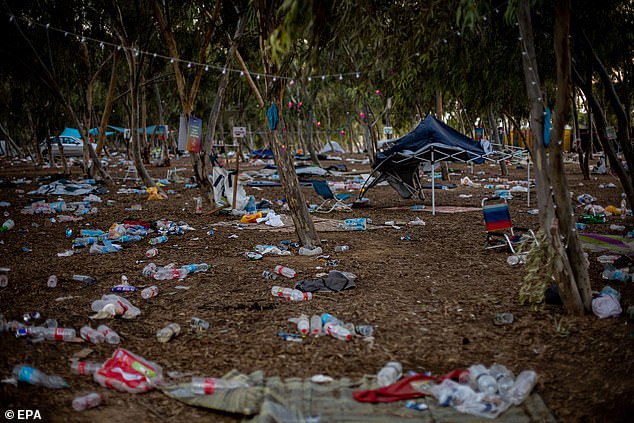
x,y
251,218
154,194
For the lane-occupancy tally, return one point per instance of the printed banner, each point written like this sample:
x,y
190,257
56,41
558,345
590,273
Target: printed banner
x,y
194,134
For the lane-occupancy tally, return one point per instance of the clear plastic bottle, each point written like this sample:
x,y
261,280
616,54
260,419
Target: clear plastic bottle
x,y
194,268
85,279
364,330
149,270
167,273
84,368
297,295
199,205
316,325
158,240
524,384
152,252
335,327
28,374
503,376
303,324
87,401
168,332
54,334
4,280
149,292
480,378
109,335
390,373
52,281
337,331
305,251
341,248
285,271
211,385
278,291
91,335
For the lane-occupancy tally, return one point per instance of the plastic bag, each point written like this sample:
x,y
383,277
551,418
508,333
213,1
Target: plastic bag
x,y
605,306
111,305
128,372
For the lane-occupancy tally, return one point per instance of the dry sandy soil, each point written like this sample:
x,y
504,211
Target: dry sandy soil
x,y
432,300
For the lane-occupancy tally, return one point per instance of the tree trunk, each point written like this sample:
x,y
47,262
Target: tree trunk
x,y
577,282
562,272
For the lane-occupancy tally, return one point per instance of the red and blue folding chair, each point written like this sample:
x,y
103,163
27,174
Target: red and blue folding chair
x,y
499,226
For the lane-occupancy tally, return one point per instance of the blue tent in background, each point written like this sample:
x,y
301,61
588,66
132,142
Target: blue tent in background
x,y
70,132
95,131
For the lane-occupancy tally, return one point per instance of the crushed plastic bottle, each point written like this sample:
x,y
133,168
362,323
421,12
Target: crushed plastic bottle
x,y
168,273
305,251
109,335
285,271
91,335
335,327
168,332
390,373
52,281
316,325
28,374
149,292
158,240
524,384
85,279
53,334
195,268
90,400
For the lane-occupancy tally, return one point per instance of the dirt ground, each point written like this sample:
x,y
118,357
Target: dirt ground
x,y
432,299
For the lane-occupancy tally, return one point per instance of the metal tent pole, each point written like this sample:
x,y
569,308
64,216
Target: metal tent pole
x,y
433,185
528,181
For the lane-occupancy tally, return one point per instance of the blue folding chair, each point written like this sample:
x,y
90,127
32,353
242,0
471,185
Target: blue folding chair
x,y
499,226
331,201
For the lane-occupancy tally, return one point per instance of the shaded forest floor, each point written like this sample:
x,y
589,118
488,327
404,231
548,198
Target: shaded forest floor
x,y
432,299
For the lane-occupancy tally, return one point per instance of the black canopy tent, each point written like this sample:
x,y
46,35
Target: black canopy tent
x,y
431,141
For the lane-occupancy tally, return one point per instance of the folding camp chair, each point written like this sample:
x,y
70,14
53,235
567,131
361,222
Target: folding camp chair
x,y
499,227
331,201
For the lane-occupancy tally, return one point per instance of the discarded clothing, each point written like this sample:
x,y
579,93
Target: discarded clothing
x,y
335,281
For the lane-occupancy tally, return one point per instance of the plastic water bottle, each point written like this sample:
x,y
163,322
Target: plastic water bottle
x,y
168,332
7,225
158,240
52,281
166,273
149,292
303,324
285,271
84,368
523,386
109,335
390,373
85,279
481,379
503,377
194,268
54,334
149,270
152,252
4,280
87,401
335,327
28,374
364,330
297,295
278,291
211,385
341,248
304,251
199,205
91,335
316,325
